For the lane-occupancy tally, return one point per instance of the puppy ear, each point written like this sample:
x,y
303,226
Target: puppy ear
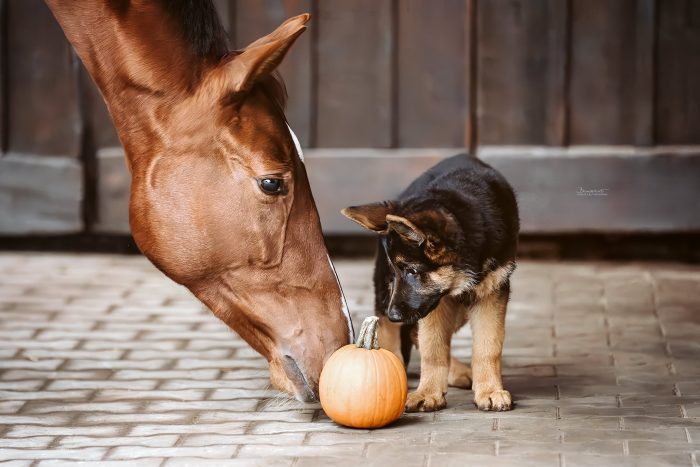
x,y
371,216
406,229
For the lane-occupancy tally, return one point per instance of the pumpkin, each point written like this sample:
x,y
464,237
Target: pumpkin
x,y
361,385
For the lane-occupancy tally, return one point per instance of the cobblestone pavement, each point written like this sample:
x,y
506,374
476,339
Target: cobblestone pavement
x,y
103,360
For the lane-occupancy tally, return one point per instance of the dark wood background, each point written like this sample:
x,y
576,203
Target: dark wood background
x,y
387,74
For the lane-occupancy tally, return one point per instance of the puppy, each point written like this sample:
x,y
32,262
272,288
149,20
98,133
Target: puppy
x,y
446,252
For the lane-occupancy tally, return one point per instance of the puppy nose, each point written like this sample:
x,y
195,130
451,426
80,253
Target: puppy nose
x,y
394,314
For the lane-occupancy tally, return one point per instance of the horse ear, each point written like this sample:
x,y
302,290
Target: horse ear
x,y
286,29
406,229
370,216
261,57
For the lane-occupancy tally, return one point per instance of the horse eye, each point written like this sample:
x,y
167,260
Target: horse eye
x,y
411,271
271,186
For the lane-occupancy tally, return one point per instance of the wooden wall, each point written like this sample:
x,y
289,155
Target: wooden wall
x,y
383,74
451,73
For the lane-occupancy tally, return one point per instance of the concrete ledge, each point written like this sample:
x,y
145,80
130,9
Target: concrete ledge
x,y
604,189
40,194
560,190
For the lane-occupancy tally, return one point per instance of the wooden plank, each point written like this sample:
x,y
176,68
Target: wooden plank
x,y
3,76
559,47
226,10
104,135
608,51
521,71
678,72
254,19
43,115
432,102
471,47
354,53
645,72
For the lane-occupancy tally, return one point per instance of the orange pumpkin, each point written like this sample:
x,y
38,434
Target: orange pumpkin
x,y
363,386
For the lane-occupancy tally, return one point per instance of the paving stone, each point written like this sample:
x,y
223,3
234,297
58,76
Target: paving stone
x,y
32,442
462,459
20,431
10,407
295,416
93,454
281,439
260,462
27,344
133,345
273,428
656,447
593,460
239,405
110,363
152,462
17,463
57,419
148,441
44,395
136,452
74,354
126,394
179,354
273,450
54,375
79,407
600,446
131,418
109,384
214,428
166,374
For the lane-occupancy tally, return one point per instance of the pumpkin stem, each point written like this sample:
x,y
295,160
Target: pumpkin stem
x,y
368,338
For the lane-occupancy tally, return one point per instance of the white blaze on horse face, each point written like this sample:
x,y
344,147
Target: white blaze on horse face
x,y
343,302
296,143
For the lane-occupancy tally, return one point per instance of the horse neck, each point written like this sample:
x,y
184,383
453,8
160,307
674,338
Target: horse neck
x,y
138,57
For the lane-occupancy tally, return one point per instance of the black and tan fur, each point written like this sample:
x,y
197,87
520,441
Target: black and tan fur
x,y
446,252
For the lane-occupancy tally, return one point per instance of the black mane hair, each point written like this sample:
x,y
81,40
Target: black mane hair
x,y
201,26
202,29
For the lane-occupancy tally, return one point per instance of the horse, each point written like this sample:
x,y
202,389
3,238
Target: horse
x,y
220,200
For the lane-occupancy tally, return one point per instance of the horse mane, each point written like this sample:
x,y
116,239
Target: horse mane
x,y
201,26
202,29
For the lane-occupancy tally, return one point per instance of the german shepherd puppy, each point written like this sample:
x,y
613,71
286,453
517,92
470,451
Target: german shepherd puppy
x,y
446,252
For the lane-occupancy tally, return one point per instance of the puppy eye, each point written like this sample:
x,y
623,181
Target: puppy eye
x,y
411,271
271,186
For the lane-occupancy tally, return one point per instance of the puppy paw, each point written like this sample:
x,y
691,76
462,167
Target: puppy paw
x,y
496,401
425,402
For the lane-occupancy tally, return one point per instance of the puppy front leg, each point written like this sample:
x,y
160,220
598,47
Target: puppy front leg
x,y
434,338
390,336
488,330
